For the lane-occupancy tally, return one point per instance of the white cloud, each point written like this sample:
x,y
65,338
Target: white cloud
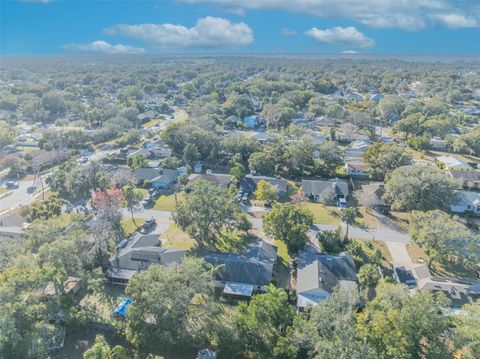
x,y
209,32
288,32
344,36
104,47
404,14
455,21
349,52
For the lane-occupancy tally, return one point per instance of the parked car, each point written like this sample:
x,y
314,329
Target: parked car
x,y
149,224
31,189
11,185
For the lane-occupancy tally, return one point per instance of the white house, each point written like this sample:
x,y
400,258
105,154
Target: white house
x,y
467,202
453,163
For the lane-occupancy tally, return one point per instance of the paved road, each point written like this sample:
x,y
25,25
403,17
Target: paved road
x,y
380,234
19,197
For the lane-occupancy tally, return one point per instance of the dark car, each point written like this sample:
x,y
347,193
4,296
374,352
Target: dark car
x,y
149,225
11,185
31,189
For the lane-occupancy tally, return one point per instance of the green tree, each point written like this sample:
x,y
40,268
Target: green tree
x,y
102,350
419,188
261,163
207,211
443,238
348,216
467,331
262,322
398,325
289,223
331,241
330,156
382,158
17,166
408,125
174,305
368,276
237,172
132,196
266,192
328,333
7,134
136,162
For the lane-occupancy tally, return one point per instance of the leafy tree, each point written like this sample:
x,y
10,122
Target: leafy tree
x,y
300,155
467,331
54,103
443,238
173,305
330,156
391,106
136,162
289,223
102,350
382,158
468,142
329,333
237,172
348,216
207,211
132,196
17,166
398,325
262,322
7,134
46,209
368,276
419,143
408,125
261,163
331,241
239,144
277,116
419,188
266,192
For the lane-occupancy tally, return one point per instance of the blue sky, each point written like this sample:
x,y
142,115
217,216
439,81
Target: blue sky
x,y
39,27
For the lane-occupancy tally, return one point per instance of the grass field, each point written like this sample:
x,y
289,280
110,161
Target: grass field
x,y
282,273
129,227
167,202
323,214
366,219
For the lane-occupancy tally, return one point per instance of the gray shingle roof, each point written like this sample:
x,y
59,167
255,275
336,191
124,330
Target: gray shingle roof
x,y
139,253
324,271
313,187
253,266
249,183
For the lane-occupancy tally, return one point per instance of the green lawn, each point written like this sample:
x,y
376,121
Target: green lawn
x,y
174,237
167,202
323,214
282,268
129,227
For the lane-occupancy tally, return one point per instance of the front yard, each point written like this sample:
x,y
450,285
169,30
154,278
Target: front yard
x,y
129,227
174,237
166,202
323,214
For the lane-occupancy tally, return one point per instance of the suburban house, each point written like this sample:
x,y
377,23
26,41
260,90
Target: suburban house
x,y
250,121
138,253
314,189
249,184
372,196
467,202
356,170
466,179
437,143
459,291
157,177
141,152
319,273
411,274
146,116
242,275
220,180
152,152
452,163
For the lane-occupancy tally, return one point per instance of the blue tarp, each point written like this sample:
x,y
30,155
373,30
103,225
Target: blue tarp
x,y
121,309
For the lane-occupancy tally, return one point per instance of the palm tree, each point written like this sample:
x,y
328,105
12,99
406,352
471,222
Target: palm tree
x,y
348,216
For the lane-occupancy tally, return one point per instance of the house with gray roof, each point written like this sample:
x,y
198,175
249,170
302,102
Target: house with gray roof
x,y
315,189
319,273
219,179
138,253
249,184
458,291
466,179
466,202
157,177
246,273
